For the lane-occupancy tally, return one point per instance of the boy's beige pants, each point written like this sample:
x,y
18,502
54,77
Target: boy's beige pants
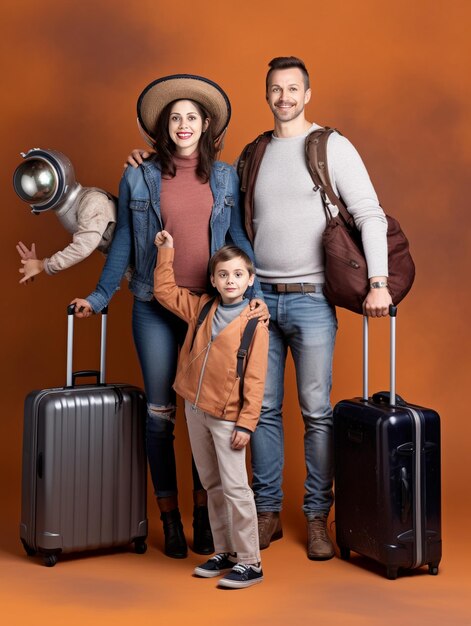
x,y
223,474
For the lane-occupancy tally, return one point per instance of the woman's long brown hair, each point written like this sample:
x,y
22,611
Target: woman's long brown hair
x,y
165,148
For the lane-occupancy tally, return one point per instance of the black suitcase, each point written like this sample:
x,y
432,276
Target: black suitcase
x,y
387,476
84,464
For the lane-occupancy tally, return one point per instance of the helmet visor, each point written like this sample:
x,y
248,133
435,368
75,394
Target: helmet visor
x,y
36,181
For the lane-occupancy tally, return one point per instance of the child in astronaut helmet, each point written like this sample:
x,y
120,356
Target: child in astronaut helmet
x,y
46,180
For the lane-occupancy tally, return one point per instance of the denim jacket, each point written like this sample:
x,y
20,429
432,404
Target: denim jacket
x,y
139,220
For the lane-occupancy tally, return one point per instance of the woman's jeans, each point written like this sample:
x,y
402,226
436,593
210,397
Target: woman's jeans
x,y
306,324
158,334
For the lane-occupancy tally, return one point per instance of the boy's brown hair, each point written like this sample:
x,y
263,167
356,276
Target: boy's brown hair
x,y
226,253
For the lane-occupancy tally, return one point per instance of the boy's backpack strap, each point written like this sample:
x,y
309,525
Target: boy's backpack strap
x,y
316,159
245,342
201,317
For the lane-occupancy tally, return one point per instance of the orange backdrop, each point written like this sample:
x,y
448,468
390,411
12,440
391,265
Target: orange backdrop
x,y
392,76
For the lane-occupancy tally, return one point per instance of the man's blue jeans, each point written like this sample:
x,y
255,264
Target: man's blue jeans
x,y
306,324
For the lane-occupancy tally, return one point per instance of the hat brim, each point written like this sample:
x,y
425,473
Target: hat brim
x,y
164,90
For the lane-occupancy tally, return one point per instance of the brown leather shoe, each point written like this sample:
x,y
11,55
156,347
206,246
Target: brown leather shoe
x,y
319,545
269,527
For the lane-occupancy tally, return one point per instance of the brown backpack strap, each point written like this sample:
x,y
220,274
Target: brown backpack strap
x,y
316,159
247,170
251,156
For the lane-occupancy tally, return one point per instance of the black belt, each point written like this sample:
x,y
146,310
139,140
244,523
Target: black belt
x,y
292,287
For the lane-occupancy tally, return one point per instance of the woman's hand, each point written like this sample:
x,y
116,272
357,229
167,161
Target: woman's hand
x,y
82,307
163,239
258,308
239,440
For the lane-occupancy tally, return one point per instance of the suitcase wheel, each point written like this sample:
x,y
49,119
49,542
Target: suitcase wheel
x,y
391,573
140,546
29,551
345,554
50,560
433,569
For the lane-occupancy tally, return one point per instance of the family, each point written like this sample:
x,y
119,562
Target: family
x,y
180,208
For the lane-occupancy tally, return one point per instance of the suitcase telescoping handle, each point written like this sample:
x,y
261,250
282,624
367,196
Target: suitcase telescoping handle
x,y
392,351
71,376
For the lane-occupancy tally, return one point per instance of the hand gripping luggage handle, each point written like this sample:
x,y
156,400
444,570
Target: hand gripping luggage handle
x,y
71,376
392,351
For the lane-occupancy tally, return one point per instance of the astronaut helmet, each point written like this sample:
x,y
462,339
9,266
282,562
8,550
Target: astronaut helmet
x,y
45,179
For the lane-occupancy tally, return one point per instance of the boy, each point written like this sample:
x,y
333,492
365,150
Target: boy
x,y
220,415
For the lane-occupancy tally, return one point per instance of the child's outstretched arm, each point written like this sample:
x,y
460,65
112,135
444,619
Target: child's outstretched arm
x,y
177,299
31,264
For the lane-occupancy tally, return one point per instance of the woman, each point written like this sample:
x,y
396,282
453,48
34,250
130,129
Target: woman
x,y
183,189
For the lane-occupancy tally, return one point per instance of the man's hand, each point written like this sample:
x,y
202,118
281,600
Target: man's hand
x,y
82,307
377,301
258,308
163,239
136,157
239,440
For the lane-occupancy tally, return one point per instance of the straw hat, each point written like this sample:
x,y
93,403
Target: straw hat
x,y
164,90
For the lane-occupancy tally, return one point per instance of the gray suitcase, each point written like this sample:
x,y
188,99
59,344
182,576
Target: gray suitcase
x,y
84,464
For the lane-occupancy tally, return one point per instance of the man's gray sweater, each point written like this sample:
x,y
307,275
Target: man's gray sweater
x,y
289,217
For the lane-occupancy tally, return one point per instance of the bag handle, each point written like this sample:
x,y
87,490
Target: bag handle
x,y
70,375
393,399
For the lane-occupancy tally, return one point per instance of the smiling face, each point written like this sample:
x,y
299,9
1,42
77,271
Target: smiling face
x,y
185,126
231,279
287,94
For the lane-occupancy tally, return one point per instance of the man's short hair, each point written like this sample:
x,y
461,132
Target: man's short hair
x,y
226,253
285,63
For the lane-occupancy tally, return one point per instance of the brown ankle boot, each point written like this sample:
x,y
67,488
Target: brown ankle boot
x,y
319,545
269,527
175,542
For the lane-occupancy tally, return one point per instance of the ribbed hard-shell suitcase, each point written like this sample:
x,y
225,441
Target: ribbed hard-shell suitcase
x,y
387,476
84,464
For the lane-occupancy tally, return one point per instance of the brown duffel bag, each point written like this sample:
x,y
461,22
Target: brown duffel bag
x,y
346,271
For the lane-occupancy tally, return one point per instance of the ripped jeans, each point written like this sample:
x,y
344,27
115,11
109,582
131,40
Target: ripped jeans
x,y
157,336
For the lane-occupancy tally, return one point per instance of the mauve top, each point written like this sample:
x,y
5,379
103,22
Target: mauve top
x,y
186,204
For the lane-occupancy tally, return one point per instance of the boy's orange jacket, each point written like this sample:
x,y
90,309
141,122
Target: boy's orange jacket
x,y
207,376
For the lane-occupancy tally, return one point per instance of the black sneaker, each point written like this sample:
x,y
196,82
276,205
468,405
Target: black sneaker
x,y
215,566
241,576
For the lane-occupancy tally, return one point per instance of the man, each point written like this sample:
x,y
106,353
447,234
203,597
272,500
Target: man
x,y
285,221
